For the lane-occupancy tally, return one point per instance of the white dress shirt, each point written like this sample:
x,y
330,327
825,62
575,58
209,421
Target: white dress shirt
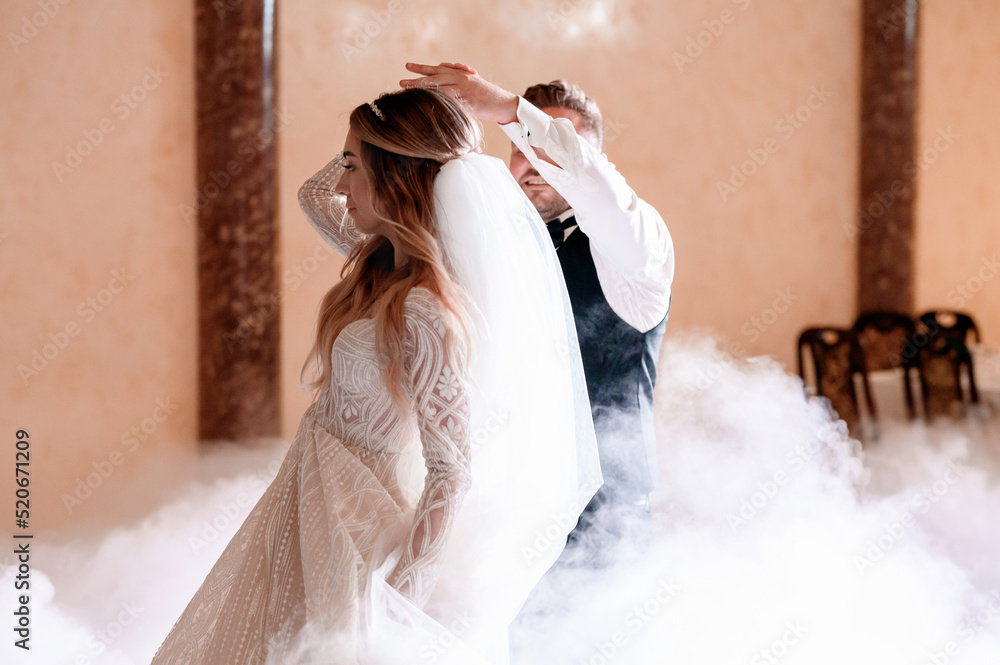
x,y
632,249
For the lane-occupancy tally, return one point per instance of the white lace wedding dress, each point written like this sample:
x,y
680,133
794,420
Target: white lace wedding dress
x,y
338,562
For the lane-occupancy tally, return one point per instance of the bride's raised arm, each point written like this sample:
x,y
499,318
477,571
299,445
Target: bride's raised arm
x,y
325,209
438,389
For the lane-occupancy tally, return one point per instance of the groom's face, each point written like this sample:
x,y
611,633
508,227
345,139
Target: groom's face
x,y
542,195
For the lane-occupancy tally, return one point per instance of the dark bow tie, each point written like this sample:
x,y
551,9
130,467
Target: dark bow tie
x,y
557,229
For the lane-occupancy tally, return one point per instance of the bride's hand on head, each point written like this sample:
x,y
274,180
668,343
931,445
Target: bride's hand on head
x,y
488,102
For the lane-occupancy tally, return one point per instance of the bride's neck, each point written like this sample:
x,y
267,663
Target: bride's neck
x,y
400,257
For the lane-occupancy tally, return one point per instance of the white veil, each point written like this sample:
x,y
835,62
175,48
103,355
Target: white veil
x,y
534,456
533,452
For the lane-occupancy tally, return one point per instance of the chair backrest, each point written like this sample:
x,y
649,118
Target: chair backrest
x,y
943,337
836,357
941,365
957,326
885,340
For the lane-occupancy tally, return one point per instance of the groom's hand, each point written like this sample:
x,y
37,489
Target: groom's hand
x,y
488,102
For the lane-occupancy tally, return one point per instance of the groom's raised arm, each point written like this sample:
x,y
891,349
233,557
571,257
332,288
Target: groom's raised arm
x,y
628,236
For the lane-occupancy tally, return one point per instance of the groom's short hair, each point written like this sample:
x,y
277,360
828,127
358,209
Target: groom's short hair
x,y
569,96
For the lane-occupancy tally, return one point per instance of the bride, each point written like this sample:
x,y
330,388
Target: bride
x,y
449,448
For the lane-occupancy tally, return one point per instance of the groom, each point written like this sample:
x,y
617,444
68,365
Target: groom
x,y
618,261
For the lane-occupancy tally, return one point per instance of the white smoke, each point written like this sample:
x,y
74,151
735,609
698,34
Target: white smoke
x,y
109,596
778,539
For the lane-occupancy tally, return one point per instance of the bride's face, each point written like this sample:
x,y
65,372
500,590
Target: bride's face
x,y
356,188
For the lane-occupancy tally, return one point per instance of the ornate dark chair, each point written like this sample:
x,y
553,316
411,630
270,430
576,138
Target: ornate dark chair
x,y
942,338
886,344
836,358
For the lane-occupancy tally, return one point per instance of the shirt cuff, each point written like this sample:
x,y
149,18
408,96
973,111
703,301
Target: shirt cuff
x,y
532,125
516,131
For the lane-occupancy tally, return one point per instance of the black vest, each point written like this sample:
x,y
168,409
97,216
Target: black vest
x,y
620,367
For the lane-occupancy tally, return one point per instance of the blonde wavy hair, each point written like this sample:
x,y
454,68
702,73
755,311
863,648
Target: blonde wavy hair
x,y
403,146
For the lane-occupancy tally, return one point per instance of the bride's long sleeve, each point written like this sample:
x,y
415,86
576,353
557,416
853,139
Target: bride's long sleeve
x,y
439,393
320,203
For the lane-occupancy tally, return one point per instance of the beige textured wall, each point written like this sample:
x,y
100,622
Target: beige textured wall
x,y
958,203
755,264
96,265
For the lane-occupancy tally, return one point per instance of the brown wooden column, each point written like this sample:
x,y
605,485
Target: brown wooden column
x,y
887,193
238,294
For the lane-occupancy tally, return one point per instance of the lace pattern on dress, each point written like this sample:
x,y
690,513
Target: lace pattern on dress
x,y
305,556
